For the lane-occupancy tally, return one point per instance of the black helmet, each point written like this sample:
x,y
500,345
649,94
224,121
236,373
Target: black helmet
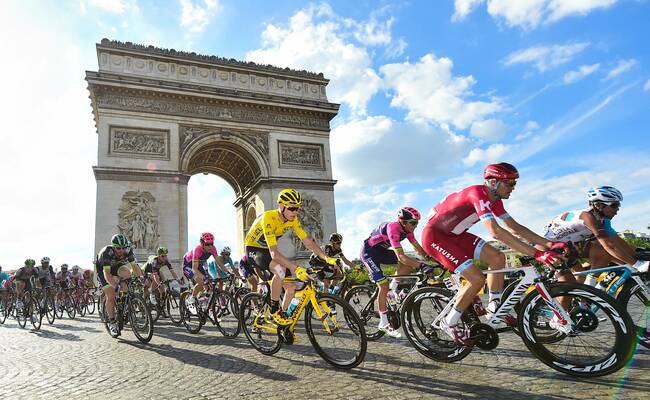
x,y
336,237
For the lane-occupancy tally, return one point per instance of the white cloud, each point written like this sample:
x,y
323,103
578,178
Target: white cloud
x,y
195,18
429,90
396,48
463,7
489,129
428,152
545,57
493,153
581,72
528,131
646,87
112,6
374,32
317,40
622,67
529,14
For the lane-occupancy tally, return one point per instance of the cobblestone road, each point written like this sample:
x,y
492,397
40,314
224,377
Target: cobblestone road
x,y
76,359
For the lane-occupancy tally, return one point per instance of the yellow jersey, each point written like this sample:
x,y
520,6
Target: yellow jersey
x,y
268,227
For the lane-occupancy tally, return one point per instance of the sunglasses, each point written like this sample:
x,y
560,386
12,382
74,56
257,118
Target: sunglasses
x,y
614,204
294,209
119,248
208,243
509,182
413,222
336,242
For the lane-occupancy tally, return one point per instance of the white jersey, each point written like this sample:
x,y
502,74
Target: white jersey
x,y
569,229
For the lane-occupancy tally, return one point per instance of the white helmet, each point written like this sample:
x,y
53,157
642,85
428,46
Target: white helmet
x,y
604,194
226,249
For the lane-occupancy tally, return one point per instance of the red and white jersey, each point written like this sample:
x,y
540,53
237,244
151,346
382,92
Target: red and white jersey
x,y
459,211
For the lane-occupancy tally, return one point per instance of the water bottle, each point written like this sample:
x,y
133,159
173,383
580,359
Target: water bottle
x,y
203,301
605,279
391,298
335,289
292,306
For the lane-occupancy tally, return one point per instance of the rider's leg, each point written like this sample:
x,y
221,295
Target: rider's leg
x,y
198,280
109,292
475,282
496,260
289,294
276,284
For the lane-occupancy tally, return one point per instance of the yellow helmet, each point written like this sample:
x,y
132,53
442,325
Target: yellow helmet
x,y
290,198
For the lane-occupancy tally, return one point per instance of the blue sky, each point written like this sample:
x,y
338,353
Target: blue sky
x,y
429,92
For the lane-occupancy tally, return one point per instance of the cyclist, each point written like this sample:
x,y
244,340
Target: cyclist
x,y
113,262
194,266
446,239
23,279
4,279
152,270
333,249
247,270
590,234
262,248
76,277
89,278
383,246
46,274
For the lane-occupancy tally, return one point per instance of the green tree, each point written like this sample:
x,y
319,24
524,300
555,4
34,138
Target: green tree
x,y
638,242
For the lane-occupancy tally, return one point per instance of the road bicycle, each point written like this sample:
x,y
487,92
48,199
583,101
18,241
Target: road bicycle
x,y
337,335
167,304
363,299
214,305
130,308
593,337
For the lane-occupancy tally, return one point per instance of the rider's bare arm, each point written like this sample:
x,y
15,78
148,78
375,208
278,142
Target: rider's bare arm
x,y
404,259
613,244
136,268
278,257
525,233
502,235
314,247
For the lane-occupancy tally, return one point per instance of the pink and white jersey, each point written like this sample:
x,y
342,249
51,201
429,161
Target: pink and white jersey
x,y
200,254
461,210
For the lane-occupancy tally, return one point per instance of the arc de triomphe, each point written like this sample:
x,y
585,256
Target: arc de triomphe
x,y
165,115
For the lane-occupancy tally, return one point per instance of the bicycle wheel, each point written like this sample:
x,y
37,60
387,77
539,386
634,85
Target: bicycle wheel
x,y
4,308
140,319
35,314
153,309
636,300
419,311
90,303
239,295
193,321
50,311
600,342
339,336
101,307
226,314
362,299
58,307
81,306
70,306
23,313
172,304
257,325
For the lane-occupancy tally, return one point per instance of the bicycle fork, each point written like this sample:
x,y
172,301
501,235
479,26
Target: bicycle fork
x,y
564,318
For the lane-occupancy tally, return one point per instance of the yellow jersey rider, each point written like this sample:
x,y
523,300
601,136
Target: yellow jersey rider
x,y
262,247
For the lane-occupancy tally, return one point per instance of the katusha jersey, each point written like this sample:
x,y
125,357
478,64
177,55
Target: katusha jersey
x,y
268,227
461,210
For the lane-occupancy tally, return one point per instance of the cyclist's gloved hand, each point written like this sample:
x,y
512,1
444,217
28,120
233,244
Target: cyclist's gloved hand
x,y
302,273
425,268
547,257
561,247
332,261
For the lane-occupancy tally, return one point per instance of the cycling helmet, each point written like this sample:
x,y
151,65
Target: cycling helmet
x,y
120,241
226,249
290,198
336,237
500,171
604,194
75,268
30,262
64,266
207,237
408,213
162,251
45,260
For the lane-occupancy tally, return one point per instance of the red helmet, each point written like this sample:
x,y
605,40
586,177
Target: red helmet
x,y
500,171
207,237
408,213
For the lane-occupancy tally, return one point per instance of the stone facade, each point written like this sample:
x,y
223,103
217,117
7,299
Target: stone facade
x,y
163,115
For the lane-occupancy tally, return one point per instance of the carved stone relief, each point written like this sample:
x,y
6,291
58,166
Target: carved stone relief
x,y
228,112
139,142
301,155
311,221
188,134
138,219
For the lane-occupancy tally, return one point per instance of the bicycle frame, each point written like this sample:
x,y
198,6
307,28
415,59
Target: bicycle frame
x,y
628,272
531,278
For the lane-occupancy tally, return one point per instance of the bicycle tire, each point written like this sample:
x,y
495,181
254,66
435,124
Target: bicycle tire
x,y
4,308
335,337
90,304
428,341
50,310
192,322
58,307
622,330
22,315
362,299
81,306
70,306
226,316
140,319
632,290
272,342
174,309
35,314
